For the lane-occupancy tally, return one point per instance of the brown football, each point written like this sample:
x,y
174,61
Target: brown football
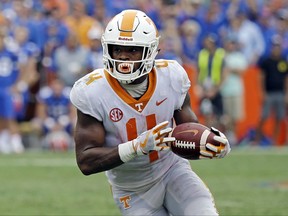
x,y
190,139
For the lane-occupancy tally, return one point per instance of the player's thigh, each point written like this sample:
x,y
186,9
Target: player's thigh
x,y
187,194
145,202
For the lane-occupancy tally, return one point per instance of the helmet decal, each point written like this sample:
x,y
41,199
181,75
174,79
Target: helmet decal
x,y
127,24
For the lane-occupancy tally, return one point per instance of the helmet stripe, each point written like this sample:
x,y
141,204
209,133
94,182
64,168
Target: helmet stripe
x,y
127,23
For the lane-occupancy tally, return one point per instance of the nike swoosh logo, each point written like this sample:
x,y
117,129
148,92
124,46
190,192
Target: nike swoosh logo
x,y
143,144
160,102
195,132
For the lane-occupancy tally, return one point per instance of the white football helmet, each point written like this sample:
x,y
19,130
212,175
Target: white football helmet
x,y
130,28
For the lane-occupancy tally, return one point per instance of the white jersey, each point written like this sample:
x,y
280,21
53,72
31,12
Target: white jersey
x,y
124,118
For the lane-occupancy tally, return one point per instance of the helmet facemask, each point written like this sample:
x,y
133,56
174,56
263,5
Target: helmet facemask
x,y
146,64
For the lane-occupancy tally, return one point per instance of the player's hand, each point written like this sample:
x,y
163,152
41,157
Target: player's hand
x,y
153,139
213,151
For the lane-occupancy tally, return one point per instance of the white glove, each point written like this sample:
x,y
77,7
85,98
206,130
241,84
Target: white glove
x,y
154,139
213,151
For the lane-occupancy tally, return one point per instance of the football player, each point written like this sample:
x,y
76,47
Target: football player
x,y
125,114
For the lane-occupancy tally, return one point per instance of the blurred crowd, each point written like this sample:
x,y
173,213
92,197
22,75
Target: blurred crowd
x,y
46,45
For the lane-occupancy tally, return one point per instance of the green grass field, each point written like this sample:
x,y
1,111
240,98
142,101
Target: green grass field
x,y
250,181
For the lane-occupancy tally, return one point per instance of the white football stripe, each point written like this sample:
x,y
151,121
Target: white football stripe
x,y
203,139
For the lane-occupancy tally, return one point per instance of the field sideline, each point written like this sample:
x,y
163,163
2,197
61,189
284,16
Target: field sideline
x,y
250,181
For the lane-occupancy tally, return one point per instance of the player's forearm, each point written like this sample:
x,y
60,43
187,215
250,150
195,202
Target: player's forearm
x,y
95,160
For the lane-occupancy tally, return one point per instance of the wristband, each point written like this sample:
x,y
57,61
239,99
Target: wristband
x,y
126,151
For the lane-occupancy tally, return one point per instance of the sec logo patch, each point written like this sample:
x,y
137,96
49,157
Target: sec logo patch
x,y
116,114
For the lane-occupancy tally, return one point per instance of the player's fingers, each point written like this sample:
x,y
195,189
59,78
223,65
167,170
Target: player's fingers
x,y
221,154
158,127
206,153
162,148
220,139
164,140
212,147
204,157
164,132
168,139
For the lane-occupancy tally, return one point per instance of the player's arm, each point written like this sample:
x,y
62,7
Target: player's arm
x,y
89,137
93,157
185,114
